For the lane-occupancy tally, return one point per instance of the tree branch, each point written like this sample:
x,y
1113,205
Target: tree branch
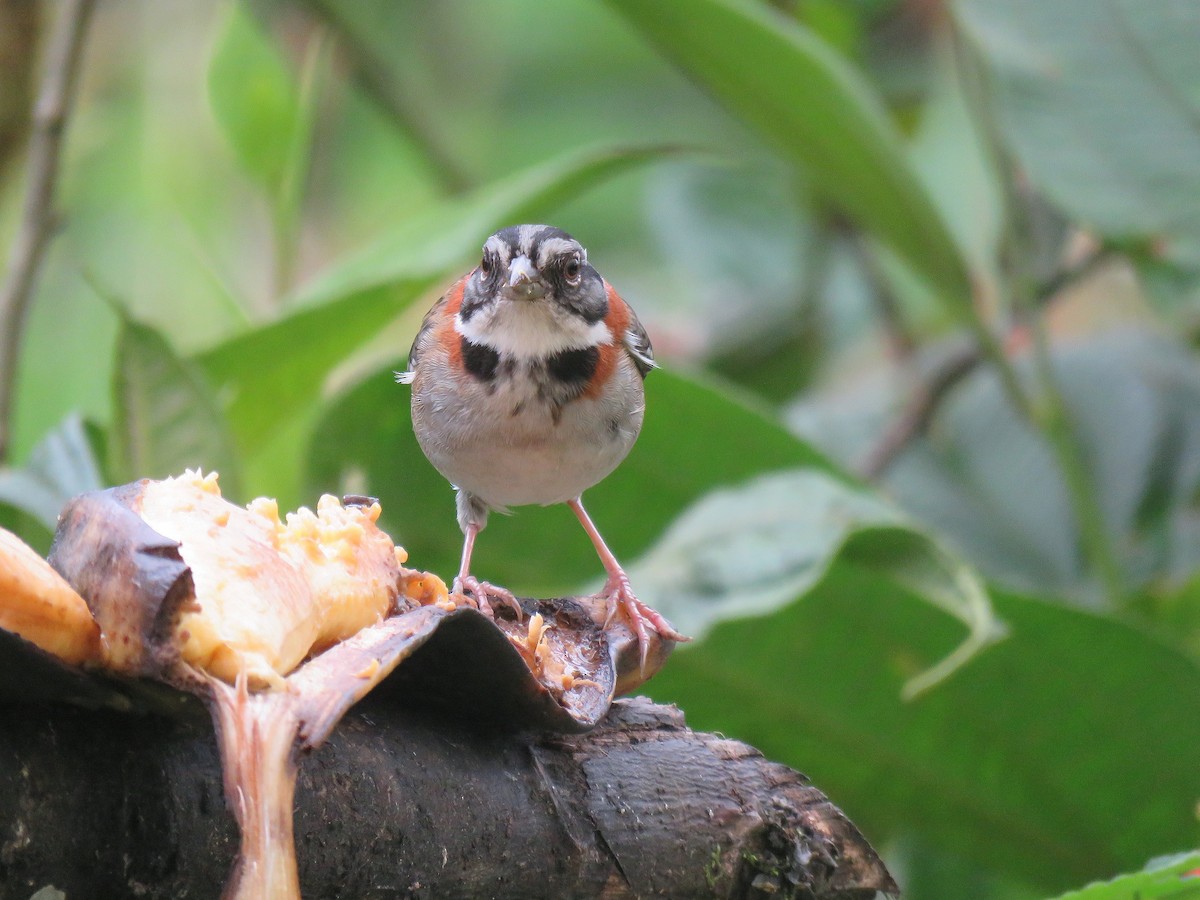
x,y
20,24
401,804
37,218
913,420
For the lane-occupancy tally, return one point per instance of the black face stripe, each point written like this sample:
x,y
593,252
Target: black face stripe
x,y
476,294
589,300
480,360
573,366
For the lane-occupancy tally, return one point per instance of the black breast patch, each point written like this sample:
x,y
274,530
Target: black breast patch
x,y
573,366
480,360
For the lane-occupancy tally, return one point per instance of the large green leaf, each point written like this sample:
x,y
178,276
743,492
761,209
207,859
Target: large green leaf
x,y
440,240
930,872
953,161
62,464
694,438
988,481
1101,104
813,106
166,418
723,226
981,476
1174,878
1064,753
275,372
753,549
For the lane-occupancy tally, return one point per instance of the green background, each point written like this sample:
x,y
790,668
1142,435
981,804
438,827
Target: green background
x,y
982,640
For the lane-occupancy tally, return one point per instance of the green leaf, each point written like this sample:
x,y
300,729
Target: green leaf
x,y
1172,878
817,110
1064,753
440,241
931,872
954,162
721,226
255,100
1173,607
365,444
166,418
1101,104
989,482
750,550
275,372
62,465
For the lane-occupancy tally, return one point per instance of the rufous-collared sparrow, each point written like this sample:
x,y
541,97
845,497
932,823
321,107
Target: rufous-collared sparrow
x,y
527,389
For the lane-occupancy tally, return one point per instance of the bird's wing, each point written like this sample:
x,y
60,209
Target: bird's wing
x,y
430,322
637,343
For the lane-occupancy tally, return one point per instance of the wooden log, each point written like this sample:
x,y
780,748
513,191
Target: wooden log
x,y
402,802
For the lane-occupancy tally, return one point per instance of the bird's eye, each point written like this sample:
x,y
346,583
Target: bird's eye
x,y
485,266
573,269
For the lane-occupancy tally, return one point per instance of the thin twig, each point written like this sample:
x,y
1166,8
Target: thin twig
x,y
1096,258
913,420
37,218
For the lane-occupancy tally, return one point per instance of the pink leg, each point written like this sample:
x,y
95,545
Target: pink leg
x,y
620,593
481,590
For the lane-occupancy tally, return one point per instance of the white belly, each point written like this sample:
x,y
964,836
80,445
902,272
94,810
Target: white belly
x,y
507,449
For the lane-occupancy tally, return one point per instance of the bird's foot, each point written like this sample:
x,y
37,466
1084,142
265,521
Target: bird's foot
x,y
484,593
619,595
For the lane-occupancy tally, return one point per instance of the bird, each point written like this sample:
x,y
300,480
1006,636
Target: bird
x,y
527,389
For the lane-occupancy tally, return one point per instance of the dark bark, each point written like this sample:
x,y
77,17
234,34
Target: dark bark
x,y
400,803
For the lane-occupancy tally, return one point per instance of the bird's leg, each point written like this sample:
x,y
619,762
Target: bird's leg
x,y
619,593
481,590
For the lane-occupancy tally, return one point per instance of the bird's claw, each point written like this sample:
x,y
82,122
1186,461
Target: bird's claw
x,y
481,591
619,595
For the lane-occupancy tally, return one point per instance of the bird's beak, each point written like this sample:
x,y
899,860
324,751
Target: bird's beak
x,y
524,280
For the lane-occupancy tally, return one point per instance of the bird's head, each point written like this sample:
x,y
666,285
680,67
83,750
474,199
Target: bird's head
x,y
534,287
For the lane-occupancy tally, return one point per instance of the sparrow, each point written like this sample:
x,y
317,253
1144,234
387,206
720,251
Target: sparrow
x,y
527,389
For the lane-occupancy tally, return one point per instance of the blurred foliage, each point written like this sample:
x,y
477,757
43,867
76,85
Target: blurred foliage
x,y
922,473
1166,877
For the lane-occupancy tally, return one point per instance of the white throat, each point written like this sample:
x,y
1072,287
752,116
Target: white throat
x,y
530,329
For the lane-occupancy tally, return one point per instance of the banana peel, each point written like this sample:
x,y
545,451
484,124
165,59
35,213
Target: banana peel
x,y
281,626
37,604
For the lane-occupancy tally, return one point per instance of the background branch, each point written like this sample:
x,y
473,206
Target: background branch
x,y
20,24
913,420
37,218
